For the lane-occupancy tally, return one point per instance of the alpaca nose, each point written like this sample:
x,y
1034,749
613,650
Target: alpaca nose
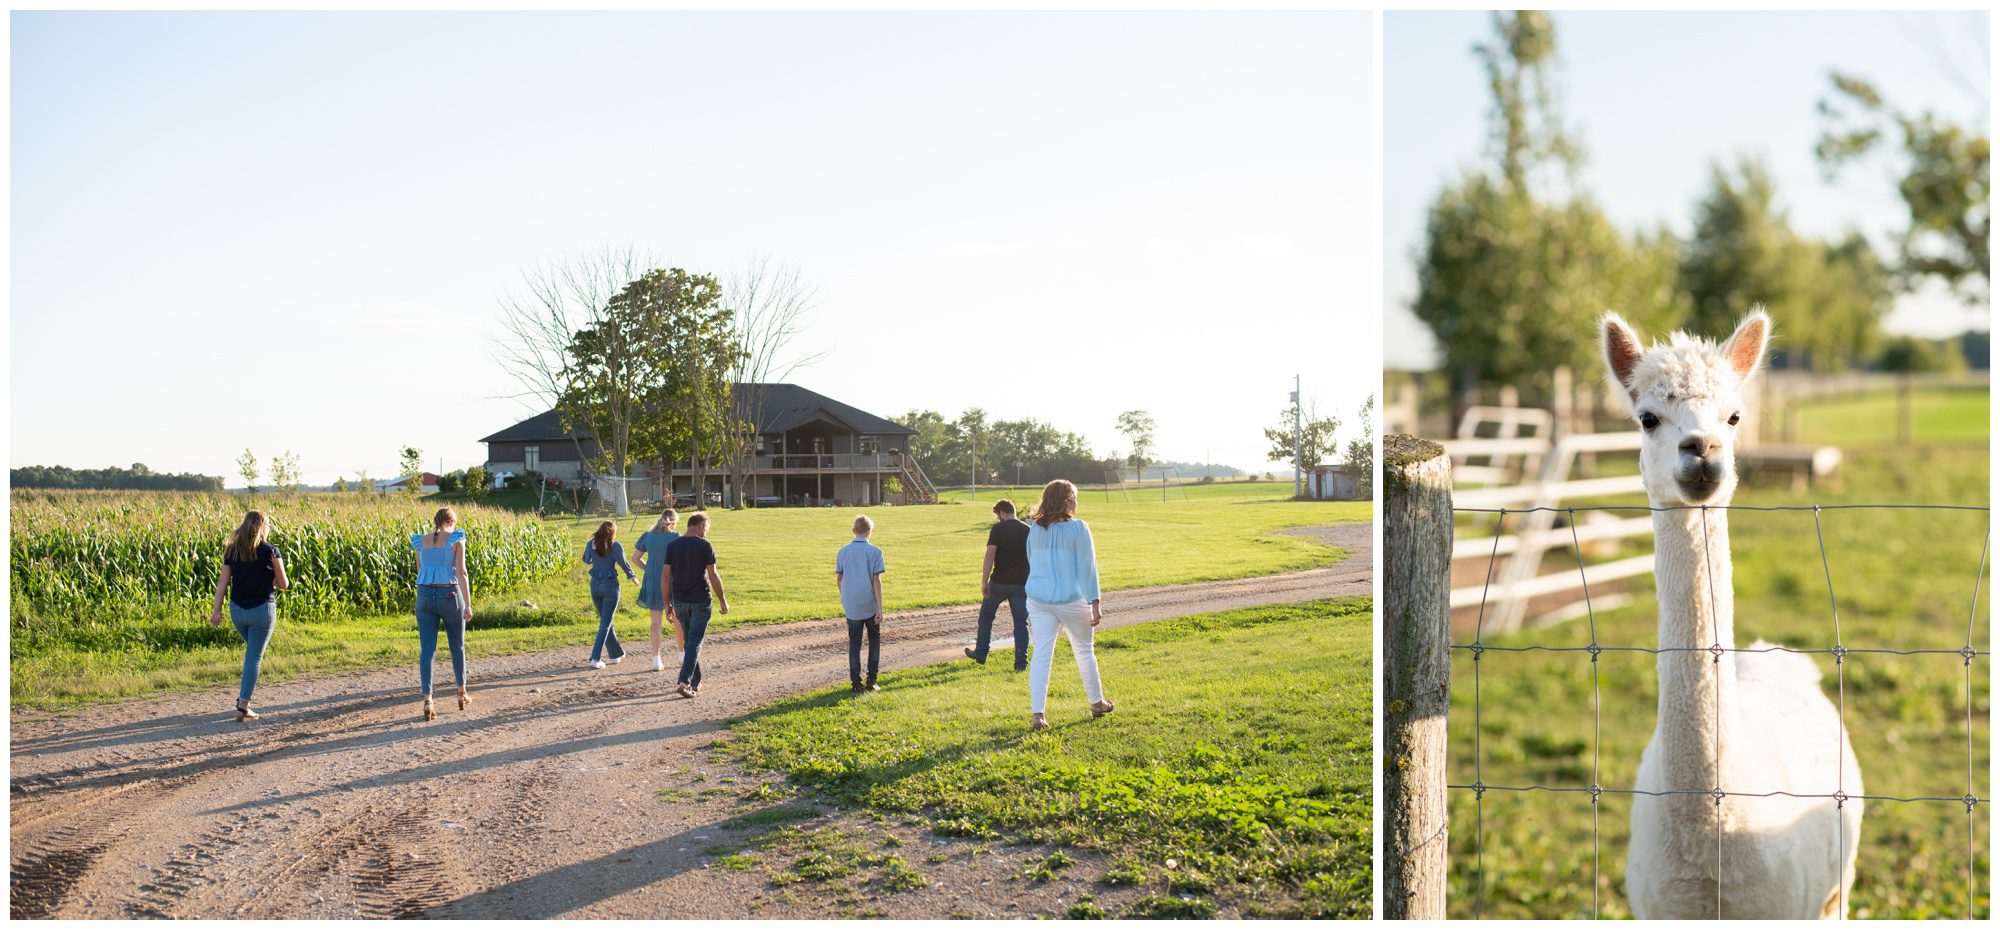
x,y
1700,445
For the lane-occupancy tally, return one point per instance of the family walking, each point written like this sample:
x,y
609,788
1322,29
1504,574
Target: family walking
x,y
1043,569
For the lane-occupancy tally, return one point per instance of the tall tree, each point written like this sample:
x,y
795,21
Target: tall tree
x,y
768,305
1516,265
1360,459
413,471
1137,427
1318,443
246,465
1828,298
1943,176
930,434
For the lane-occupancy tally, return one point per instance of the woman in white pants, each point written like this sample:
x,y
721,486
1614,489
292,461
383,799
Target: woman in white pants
x,y
1062,594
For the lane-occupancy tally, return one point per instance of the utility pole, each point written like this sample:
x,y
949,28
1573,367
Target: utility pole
x,y
975,463
1298,445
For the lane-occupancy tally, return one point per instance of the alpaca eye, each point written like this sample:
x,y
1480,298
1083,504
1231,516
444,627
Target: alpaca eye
x,y
1734,417
1648,421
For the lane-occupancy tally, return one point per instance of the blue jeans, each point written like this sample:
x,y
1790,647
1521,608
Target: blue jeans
x,y
694,624
855,628
604,596
255,623
1016,596
437,606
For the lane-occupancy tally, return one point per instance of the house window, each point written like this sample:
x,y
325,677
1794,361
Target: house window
x,y
760,443
532,458
870,445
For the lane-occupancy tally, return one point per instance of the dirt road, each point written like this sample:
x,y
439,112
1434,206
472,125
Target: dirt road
x,y
562,792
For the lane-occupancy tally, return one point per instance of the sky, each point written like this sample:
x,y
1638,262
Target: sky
x,y
293,231
1656,98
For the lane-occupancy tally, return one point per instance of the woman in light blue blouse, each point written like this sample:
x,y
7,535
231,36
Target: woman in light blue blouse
x,y
444,601
1062,595
651,551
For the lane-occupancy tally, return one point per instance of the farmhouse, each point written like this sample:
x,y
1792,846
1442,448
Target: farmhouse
x,y
809,450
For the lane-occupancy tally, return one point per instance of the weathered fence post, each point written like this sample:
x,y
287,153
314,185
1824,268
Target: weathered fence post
x,y
1416,674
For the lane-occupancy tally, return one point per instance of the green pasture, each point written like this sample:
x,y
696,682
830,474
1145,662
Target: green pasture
x,y
1901,580
1248,788
1937,415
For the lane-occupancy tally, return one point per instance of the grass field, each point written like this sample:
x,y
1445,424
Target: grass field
x,y
776,564
1902,579
1947,415
1253,781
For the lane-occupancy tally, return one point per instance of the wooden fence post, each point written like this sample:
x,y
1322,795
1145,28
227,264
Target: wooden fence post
x,y
1416,674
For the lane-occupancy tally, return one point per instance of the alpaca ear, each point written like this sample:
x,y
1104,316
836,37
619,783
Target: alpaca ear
x,y
1745,348
1621,351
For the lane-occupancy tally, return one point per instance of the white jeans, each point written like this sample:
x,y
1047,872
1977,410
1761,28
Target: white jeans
x,y
1043,621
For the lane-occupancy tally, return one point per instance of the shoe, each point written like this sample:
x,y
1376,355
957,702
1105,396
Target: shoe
x,y
855,687
659,665
617,660
974,656
1101,708
684,689
1038,722
243,712
599,663
1020,668
430,710
463,701
871,686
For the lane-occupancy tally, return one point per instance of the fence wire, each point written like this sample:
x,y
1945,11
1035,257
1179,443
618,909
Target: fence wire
x,y
1839,651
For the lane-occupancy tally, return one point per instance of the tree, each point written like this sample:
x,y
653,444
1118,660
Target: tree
x,y
1360,460
767,305
413,471
625,381
930,432
340,483
476,482
1318,439
1828,298
136,478
1516,266
246,465
450,482
362,483
1909,354
1944,181
285,472
1137,426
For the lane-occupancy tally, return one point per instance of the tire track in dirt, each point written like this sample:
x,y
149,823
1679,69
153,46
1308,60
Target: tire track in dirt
x,y
561,792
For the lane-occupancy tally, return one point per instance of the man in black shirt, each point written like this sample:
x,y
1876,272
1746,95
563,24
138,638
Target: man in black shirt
x,y
691,574
1004,577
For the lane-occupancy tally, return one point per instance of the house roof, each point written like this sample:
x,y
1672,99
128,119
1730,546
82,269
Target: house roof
x,y
782,407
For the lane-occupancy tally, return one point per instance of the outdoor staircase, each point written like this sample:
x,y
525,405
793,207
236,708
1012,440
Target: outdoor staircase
x,y
917,487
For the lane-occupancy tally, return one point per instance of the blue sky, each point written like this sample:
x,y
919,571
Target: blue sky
x,y
289,231
1656,99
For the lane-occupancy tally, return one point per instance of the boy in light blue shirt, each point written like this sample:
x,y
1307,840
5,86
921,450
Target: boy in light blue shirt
x,y
857,569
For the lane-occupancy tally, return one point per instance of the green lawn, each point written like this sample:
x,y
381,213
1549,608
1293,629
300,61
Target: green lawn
x,y
1936,415
1903,579
1254,779
777,565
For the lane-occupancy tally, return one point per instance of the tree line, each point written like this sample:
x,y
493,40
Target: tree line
x,y
1518,261
136,478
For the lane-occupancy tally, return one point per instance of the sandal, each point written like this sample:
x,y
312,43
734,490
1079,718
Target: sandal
x,y
243,712
430,710
463,701
684,690
1038,722
1101,708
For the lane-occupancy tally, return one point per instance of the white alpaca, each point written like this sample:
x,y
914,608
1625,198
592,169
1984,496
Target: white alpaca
x,y
1780,857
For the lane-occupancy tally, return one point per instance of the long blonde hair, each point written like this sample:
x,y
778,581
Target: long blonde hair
x,y
248,536
666,520
1058,503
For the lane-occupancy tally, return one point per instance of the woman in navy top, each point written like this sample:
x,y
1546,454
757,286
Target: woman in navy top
x,y
444,601
605,557
651,549
1062,594
251,571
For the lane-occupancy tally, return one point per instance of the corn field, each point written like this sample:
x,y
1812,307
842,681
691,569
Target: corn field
x,y
88,554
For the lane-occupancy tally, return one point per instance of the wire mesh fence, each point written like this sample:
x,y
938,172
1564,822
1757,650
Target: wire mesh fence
x,y
1596,793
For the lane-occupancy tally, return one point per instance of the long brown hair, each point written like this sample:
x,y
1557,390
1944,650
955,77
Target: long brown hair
x,y
601,540
1058,503
248,536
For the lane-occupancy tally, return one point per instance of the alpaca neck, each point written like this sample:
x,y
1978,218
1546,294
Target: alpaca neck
x,y
1691,565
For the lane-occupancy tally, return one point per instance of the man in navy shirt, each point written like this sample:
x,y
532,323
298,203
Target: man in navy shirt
x,y
1004,577
691,573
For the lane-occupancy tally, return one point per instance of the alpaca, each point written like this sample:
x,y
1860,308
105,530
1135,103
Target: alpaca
x,y
1780,857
